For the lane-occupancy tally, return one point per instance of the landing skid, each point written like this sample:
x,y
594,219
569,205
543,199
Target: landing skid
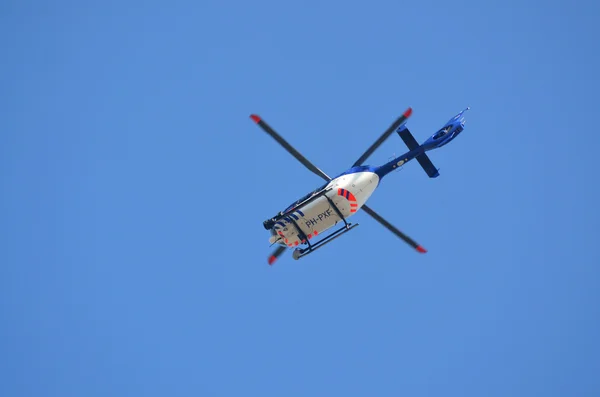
x,y
302,252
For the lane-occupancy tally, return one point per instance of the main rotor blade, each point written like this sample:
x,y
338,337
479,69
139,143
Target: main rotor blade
x,y
394,230
267,128
384,136
276,254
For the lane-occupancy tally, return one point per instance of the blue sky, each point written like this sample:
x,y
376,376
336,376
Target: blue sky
x,y
134,187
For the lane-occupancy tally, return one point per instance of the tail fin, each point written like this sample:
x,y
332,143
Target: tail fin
x,y
412,144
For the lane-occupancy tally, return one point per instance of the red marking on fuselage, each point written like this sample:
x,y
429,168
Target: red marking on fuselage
x,y
347,194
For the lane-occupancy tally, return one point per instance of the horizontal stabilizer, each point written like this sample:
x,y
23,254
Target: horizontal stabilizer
x,y
423,159
407,137
427,165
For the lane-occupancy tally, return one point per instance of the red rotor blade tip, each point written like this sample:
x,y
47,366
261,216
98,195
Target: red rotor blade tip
x,y
421,249
255,118
408,112
272,259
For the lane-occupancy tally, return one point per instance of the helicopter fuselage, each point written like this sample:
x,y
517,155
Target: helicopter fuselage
x,y
348,192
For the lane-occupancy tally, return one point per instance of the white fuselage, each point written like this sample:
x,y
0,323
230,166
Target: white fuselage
x,y
348,192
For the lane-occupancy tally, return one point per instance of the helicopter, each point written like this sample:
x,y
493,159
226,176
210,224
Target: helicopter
x,y
344,195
